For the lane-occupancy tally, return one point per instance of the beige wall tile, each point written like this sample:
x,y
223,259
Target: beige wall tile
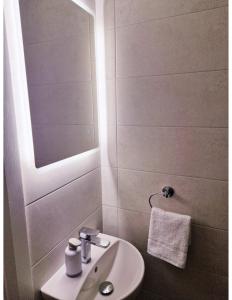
x,y
56,142
111,102
95,115
133,227
111,147
194,99
206,243
49,20
110,53
53,217
199,152
96,136
54,62
95,103
135,11
175,284
92,39
50,263
209,250
66,103
110,220
193,42
186,43
205,200
109,14
109,177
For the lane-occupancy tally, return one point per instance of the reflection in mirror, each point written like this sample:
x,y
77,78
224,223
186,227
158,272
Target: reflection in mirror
x,y
58,38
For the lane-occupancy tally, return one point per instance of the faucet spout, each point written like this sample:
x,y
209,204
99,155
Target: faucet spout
x,y
89,236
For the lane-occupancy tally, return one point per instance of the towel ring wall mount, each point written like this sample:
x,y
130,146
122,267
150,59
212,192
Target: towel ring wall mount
x,y
167,192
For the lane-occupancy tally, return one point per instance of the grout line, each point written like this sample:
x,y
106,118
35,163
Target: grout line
x,y
60,187
61,124
67,38
171,126
49,84
169,17
193,223
211,227
178,175
63,240
169,74
110,205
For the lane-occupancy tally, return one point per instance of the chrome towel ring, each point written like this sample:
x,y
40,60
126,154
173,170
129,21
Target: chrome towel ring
x,y
167,192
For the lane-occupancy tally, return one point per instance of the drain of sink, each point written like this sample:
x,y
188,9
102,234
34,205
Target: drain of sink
x,y
106,288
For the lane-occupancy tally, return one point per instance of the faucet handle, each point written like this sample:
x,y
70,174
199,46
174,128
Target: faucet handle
x,y
86,233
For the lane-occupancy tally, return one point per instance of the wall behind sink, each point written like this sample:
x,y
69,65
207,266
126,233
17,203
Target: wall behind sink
x,y
57,216
167,124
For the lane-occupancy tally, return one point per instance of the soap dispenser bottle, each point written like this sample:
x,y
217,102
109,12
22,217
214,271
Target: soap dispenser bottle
x,y
73,258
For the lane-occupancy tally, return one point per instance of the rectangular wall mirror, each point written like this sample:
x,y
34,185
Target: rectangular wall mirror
x,y
58,38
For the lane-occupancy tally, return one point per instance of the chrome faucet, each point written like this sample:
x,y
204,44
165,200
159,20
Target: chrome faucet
x,y
88,236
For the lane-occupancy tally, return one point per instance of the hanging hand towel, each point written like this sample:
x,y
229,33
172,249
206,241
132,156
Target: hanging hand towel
x,y
169,236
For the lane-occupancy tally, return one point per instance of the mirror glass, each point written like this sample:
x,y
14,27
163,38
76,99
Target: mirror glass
x,y
58,38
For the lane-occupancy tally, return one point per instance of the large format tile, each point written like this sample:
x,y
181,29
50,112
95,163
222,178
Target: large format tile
x,y
59,61
111,102
205,200
133,227
95,114
194,99
199,152
110,53
176,284
110,150
109,14
185,43
135,11
207,252
66,103
56,142
92,44
109,177
54,216
49,20
110,220
50,263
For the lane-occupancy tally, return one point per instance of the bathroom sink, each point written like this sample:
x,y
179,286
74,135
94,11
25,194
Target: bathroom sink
x,y
120,263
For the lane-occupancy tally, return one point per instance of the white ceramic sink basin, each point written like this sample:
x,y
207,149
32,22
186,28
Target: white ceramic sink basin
x,y
120,263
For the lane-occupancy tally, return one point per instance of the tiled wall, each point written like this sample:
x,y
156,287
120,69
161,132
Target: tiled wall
x,y
56,217
167,107
59,54
59,215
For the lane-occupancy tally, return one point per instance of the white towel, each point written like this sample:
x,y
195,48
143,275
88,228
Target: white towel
x,y
169,236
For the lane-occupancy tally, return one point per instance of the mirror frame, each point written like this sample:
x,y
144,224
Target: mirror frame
x,y
37,182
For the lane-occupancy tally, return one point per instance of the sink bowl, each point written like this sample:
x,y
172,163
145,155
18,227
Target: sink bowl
x,y
120,263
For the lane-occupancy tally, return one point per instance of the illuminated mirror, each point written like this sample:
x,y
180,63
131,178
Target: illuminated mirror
x,y
58,38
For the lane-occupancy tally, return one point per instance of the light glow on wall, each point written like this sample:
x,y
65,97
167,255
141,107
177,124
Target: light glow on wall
x,y
101,81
